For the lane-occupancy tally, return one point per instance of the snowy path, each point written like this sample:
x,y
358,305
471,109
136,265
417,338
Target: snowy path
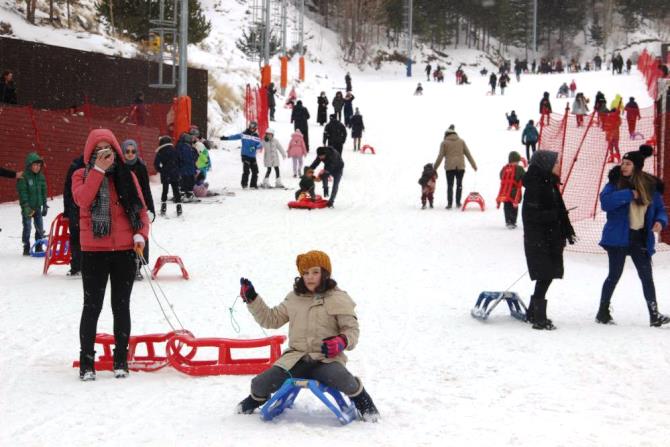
x,y
438,376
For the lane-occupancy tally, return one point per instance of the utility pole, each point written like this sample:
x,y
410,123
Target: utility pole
x,y
183,44
535,30
410,37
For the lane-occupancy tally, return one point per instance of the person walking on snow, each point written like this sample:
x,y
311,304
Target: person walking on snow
x,y
322,109
546,228
580,108
348,108
296,151
357,128
454,151
338,103
632,116
545,109
299,118
272,104
512,200
428,182
272,148
529,138
322,325
251,142
633,201
167,165
347,80
429,68
493,81
335,134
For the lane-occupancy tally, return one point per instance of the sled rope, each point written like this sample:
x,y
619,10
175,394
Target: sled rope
x,y
233,321
168,303
153,238
518,279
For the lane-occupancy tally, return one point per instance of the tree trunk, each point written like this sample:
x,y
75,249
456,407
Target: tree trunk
x,y
51,11
68,14
111,14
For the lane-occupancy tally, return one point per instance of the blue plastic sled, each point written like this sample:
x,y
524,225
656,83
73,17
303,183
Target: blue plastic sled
x,y
488,301
39,254
285,396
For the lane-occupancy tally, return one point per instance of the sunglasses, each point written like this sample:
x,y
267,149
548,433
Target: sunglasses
x,y
131,151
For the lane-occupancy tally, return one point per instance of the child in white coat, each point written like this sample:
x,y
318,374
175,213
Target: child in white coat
x,y
271,150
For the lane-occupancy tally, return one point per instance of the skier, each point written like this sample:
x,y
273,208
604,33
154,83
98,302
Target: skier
x,y
271,158
299,117
166,163
511,202
322,110
251,142
454,151
428,181
322,325
633,202
333,166
529,138
335,134
632,116
545,109
357,128
546,227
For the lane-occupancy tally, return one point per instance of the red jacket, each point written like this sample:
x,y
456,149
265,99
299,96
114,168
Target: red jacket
x,y
84,192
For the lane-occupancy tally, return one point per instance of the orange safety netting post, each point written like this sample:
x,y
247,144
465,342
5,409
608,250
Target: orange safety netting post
x,y
301,68
182,115
266,75
284,73
262,110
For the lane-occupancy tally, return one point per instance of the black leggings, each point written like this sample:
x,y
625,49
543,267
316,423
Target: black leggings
x,y
332,374
97,267
175,192
269,170
541,287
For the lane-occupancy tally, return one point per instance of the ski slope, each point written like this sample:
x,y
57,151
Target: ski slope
x,y
438,376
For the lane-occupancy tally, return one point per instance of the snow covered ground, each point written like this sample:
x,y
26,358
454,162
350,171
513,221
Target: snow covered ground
x,y
438,376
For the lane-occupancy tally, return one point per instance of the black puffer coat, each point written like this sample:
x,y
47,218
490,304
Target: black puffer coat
x,y
70,208
166,163
546,226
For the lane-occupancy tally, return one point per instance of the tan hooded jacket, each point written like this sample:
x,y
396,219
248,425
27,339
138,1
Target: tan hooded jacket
x,y
311,318
454,150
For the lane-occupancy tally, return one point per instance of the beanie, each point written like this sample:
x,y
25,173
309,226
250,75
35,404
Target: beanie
x,y
637,157
514,157
311,259
544,160
165,139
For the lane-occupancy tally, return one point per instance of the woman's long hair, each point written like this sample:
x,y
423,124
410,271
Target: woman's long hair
x,y
643,183
327,283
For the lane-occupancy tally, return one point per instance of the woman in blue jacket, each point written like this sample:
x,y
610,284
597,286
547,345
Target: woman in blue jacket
x,y
635,211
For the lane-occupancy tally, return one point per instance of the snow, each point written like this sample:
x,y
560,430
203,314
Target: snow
x,y
438,376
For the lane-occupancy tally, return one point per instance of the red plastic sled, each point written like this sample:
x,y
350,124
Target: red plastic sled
x,y
507,184
162,260
149,362
308,204
474,197
368,147
224,363
58,249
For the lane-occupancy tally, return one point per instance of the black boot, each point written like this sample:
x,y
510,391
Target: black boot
x,y
249,404
26,250
120,363
179,209
530,312
603,316
366,407
87,366
163,208
541,320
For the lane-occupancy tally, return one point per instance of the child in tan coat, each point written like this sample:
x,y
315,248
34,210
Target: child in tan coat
x,y
322,324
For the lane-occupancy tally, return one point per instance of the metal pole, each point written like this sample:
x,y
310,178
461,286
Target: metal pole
x,y
284,20
266,40
301,26
183,44
535,30
409,37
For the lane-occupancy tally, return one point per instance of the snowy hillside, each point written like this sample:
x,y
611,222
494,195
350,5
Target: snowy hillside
x,y
438,376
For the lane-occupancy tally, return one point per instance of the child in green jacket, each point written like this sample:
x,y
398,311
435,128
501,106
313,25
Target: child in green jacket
x,y
32,188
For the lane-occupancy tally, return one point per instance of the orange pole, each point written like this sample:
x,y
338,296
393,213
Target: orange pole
x,y
266,75
301,71
284,73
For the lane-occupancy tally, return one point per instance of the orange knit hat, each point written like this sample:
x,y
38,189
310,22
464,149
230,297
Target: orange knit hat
x,y
311,259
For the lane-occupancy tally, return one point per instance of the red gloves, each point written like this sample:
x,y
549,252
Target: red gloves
x,y
332,346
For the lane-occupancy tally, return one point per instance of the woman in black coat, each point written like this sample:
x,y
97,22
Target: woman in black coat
x,y
7,88
546,228
357,128
322,111
299,117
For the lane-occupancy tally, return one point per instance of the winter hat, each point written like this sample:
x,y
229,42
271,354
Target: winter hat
x,y
195,131
637,157
269,130
451,129
544,160
307,170
311,259
514,157
253,124
165,139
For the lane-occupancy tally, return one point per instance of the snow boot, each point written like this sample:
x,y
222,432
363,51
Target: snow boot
x,y
365,406
249,404
179,209
26,250
541,320
73,272
530,312
39,248
278,183
603,316
120,363
86,366
266,183
163,208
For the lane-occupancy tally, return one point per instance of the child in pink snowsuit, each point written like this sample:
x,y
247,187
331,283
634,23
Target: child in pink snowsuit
x,y
297,151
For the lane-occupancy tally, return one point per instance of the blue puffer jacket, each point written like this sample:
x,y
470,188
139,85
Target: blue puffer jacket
x,y
529,134
616,203
250,142
187,157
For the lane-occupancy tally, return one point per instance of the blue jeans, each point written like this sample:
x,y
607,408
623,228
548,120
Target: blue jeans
x,y
336,184
637,250
39,227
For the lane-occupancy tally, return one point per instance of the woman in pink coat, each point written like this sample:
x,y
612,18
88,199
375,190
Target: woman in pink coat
x,y
297,151
114,228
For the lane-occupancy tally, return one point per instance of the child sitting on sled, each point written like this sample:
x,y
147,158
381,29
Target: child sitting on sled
x,y
306,185
419,90
512,121
510,188
427,181
322,324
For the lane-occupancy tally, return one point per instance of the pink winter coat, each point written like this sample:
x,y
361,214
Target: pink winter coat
x,y
297,148
84,192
